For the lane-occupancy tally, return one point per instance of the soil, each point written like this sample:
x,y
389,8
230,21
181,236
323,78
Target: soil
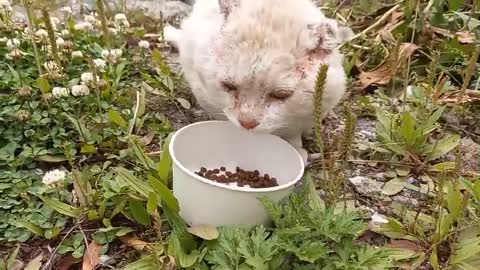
x,y
242,178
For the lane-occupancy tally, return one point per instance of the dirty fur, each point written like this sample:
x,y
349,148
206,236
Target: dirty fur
x,y
255,62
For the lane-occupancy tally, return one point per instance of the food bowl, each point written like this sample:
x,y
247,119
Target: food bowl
x,y
214,144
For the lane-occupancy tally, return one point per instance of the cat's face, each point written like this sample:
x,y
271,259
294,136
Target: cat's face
x,y
264,91
265,66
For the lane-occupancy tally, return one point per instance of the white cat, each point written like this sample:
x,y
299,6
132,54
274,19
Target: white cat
x,y
255,62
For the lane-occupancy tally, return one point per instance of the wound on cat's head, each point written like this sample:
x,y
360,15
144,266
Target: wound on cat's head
x,y
267,62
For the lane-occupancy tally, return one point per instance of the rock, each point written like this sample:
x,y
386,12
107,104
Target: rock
x,y
366,186
470,154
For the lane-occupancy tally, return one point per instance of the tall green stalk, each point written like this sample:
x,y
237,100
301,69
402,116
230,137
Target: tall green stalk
x,y
31,23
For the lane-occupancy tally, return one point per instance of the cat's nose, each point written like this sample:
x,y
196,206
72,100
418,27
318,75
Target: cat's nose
x,y
248,123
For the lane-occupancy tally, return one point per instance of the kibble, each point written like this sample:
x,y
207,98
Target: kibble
x,y
254,179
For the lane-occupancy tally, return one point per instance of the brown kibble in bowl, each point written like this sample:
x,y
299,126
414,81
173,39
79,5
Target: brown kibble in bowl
x,y
254,179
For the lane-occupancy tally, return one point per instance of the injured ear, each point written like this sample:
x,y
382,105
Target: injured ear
x,y
226,6
325,35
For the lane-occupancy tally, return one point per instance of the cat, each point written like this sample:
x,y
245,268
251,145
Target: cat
x,y
255,62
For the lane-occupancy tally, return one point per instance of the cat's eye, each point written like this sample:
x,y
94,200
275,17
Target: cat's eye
x,y
229,87
281,94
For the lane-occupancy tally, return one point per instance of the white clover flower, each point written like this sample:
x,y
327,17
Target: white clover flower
x,y
60,92
80,90
144,44
5,6
41,33
84,26
113,30
86,77
121,20
60,42
15,53
65,32
100,64
120,17
77,54
4,3
51,66
116,52
55,21
3,40
67,10
13,43
53,177
105,54
377,218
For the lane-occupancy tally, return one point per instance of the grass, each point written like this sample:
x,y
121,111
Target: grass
x,y
85,177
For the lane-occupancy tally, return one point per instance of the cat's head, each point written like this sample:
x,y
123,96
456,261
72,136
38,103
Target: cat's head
x,y
267,57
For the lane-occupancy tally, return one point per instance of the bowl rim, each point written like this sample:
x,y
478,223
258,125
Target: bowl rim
x,y
224,186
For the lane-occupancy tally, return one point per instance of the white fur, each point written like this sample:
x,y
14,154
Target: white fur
x,y
261,46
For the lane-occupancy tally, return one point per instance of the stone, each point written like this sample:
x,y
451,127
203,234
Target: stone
x,y
366,186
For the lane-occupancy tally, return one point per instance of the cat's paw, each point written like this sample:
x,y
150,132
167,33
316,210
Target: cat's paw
x,y
304,154
172,35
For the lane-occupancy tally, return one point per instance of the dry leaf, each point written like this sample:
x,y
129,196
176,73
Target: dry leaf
x,y
35,264
465,37
147,139
405,244
206,232
91,257
383,74
451,98
407,49
66,262
133,242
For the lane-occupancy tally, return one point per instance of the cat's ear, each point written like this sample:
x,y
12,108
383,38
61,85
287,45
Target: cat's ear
x,y
226,6
324,35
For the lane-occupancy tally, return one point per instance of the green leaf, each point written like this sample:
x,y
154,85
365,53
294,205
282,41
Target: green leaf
x,y
454,200
454,5
407,129
80,185
466,250
442,147
166,195
43,85
61,207
175,249
51,158
444,166
152,203
139,152
80,127
433,119
117,119
393,186
31,227
12,258
88,149
14,73
164,167
137,208
133,182
148,262
157,57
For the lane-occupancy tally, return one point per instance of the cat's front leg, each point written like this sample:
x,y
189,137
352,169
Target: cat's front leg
x,y
296,142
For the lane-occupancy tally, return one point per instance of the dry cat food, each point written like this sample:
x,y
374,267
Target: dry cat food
x,y
240,177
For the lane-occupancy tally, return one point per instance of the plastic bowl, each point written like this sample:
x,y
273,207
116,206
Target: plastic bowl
x,y
213,144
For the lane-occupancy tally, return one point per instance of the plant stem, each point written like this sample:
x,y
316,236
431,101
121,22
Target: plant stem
x,y
31,22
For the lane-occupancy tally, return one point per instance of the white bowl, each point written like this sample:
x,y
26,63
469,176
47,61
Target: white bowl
x,y
213,144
